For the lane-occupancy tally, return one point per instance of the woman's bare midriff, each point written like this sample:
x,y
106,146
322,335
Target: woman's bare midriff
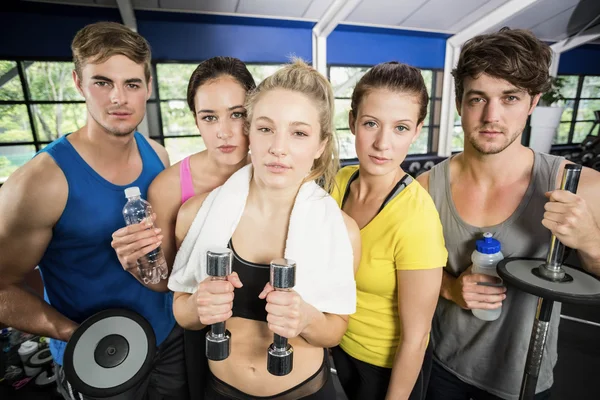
x,y
246,367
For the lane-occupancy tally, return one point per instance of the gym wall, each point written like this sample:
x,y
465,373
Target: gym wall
x,y
39,31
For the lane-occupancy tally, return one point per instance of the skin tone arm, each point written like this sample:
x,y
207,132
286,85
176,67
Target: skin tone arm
x,y
213,300
464,290
31,202
289,316
575,219
166,203
418,293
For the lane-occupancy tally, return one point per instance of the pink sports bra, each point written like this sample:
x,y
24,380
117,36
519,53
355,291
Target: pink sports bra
x,y
185,179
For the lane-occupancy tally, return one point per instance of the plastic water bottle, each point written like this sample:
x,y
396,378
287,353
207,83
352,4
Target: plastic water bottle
x,y
486,256
152,266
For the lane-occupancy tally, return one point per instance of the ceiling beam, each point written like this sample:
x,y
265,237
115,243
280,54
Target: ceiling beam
x,y
453,45
127,14
583,36
337,12
577,40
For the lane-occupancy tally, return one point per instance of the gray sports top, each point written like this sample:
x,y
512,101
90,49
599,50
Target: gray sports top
x,y
491,355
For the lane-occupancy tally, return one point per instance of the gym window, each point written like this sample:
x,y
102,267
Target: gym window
x,y
39,103
174,125
344,79
582,98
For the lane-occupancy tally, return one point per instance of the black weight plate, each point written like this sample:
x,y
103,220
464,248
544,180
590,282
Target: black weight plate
x,y
583,289
39,359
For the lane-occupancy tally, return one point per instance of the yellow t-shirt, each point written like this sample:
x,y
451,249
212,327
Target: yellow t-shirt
x,y
405,235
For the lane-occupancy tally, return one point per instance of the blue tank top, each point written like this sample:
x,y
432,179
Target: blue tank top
x,y
81,272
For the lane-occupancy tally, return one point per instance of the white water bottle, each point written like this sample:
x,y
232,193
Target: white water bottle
x,y
152,266
486,256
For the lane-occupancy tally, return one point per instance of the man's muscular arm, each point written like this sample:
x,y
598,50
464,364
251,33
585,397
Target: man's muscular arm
x,y
31,202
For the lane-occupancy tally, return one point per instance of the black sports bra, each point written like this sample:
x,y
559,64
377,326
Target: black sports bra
x,y
254,277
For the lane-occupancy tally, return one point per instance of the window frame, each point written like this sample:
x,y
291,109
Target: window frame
x,y
156,100
576,101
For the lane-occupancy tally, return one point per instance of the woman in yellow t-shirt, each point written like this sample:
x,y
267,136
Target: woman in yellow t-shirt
x,y
384,353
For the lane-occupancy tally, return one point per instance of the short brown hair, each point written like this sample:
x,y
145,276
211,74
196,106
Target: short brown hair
x,y
301,78
214,68
396,77
97,42
514,55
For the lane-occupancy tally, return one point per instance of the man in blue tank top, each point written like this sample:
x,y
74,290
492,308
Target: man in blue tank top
x,y
498,185
60,209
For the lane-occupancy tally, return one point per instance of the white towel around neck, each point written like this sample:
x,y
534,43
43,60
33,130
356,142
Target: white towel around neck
x,y
317,241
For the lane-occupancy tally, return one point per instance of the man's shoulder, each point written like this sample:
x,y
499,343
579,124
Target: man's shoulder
x,y
41,173
160,151
39,180
429,180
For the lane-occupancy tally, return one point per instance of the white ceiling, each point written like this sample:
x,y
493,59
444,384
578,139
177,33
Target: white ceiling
x,y
551,20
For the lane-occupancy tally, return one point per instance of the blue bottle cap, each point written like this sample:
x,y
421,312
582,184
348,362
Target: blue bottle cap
x,y
487,245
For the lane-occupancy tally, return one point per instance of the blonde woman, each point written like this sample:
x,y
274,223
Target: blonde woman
x,y
268,210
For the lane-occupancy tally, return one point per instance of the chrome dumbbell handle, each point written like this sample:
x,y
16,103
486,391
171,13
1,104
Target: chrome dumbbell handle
x,y
218,339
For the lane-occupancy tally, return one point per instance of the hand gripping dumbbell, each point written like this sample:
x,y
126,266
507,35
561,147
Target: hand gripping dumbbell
x,y
280,359
552,281
218,339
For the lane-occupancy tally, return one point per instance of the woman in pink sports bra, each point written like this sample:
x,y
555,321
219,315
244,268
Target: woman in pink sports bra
x,y
216,96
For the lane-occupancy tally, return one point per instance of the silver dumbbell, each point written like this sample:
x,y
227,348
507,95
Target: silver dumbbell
x,y
218,339
280,359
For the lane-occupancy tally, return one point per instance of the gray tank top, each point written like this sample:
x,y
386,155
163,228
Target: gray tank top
x,y
491,355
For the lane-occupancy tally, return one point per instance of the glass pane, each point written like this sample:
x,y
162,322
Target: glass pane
x,y
177,119
12,157
581,131
342,108
586,109
567,114
343,79
457,120
51,81
14,124
562,136
420,145
179,148
173,80
260,72
427,77
591,87
10,83
346,144
55,120
458,139
569,89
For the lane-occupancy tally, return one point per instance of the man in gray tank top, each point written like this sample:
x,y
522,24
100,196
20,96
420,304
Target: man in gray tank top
x,y
497,185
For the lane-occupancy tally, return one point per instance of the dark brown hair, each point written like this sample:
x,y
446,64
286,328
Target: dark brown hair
x,y
396,77
514,55
214,68
97,42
